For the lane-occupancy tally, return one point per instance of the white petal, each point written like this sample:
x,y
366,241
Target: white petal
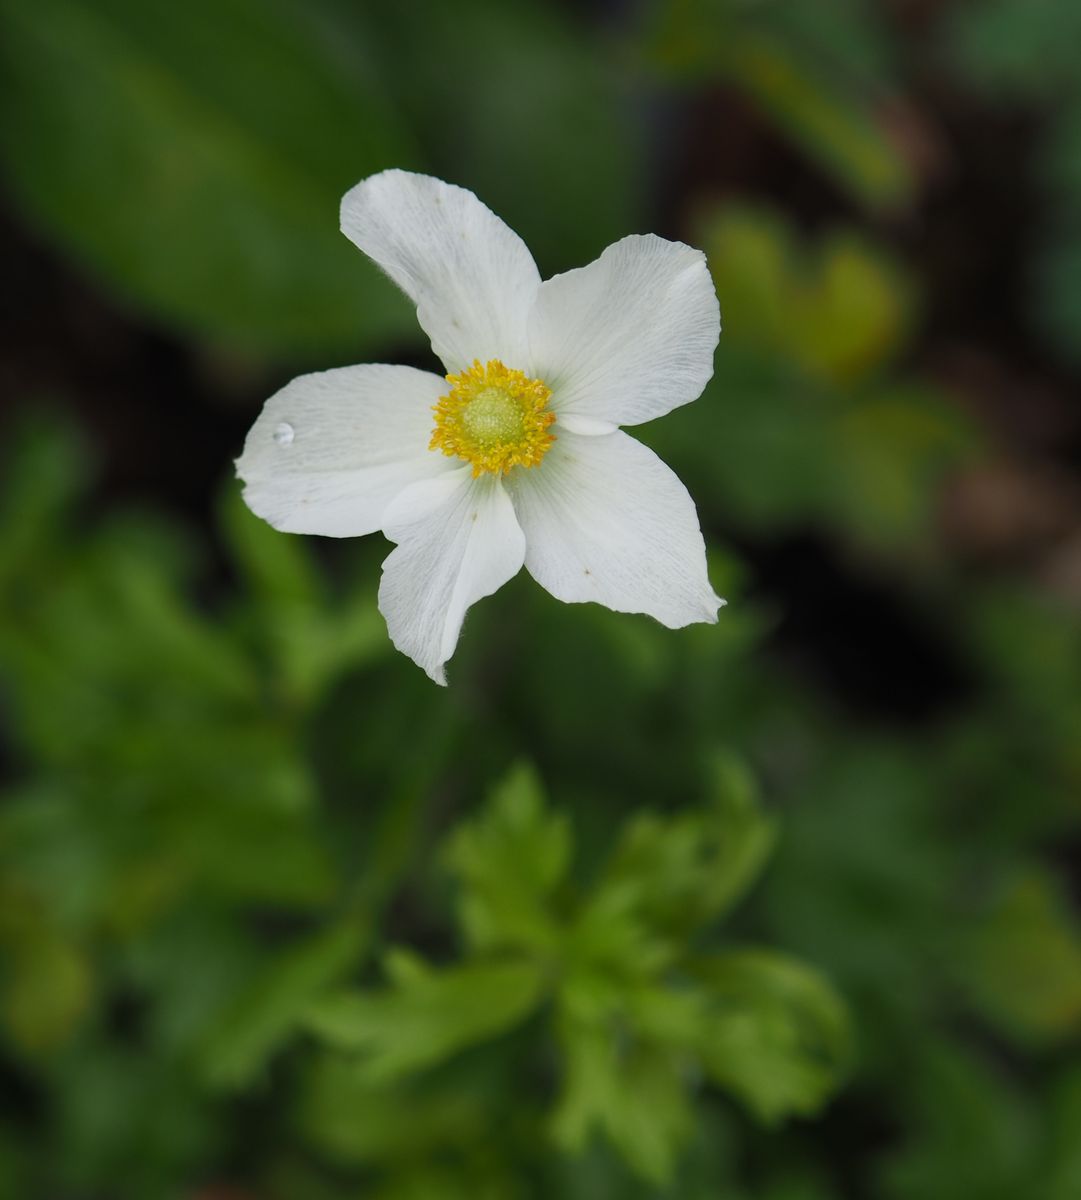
x,y
330,450
606,520
629,337
458,540
472,278
588,426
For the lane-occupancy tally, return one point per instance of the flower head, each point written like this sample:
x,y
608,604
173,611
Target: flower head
x,y
516,456
494,418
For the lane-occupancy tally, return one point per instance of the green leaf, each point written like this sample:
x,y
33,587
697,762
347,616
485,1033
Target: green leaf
x,y
855,310
804,424
1064,1182
263,1016
190,968
631,1090
1018,47
777,1034
1025,50
839,308
511,860
44,469
867,821
311,637
680,873
1029,642
355,1120
1023,961
243,848
969,1130
831,112
1057,274
277,568
799,1187
543,114
91,651
844,135
434,1181
195,157
108,1102
427,1016
49,987
893,449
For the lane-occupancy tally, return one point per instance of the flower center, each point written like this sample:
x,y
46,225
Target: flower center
x,y
495,418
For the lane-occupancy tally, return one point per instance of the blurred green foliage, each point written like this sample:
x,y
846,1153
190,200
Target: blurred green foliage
x,y
199,854
173,802
809,420
1023,50
637,1014
821,72
194,157
174,129
276,914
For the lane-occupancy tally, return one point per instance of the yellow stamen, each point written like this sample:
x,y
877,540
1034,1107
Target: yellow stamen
x,y
495,418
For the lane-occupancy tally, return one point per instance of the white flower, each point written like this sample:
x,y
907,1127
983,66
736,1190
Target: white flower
x,y
521,460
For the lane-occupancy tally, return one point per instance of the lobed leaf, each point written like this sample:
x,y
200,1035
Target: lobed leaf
x,y
511,860
777,1034
427,1016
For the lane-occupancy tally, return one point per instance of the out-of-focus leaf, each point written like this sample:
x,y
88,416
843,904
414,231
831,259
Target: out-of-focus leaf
x,y
1064,1174
544,114
1023,962
511,859
112,614
839,310
130,1124
311,637
1056,264
1020,47
848,38
353,1119
254,852
1029,643
15,1164
195,159
679,873
845,137
777,1034
971,1132
272,1005
802,424
831,114
428,1015
277,568
48,987
757,447
632,1032
867,820
893,448
45,466
190,967
633,1091
1058,274
1023,50
855,314
448,1183
797,1187
1060,160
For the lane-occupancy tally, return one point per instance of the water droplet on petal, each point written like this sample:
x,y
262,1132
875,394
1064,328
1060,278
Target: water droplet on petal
x,y
283,435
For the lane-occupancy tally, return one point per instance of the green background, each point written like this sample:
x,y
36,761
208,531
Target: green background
x,y
784,908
